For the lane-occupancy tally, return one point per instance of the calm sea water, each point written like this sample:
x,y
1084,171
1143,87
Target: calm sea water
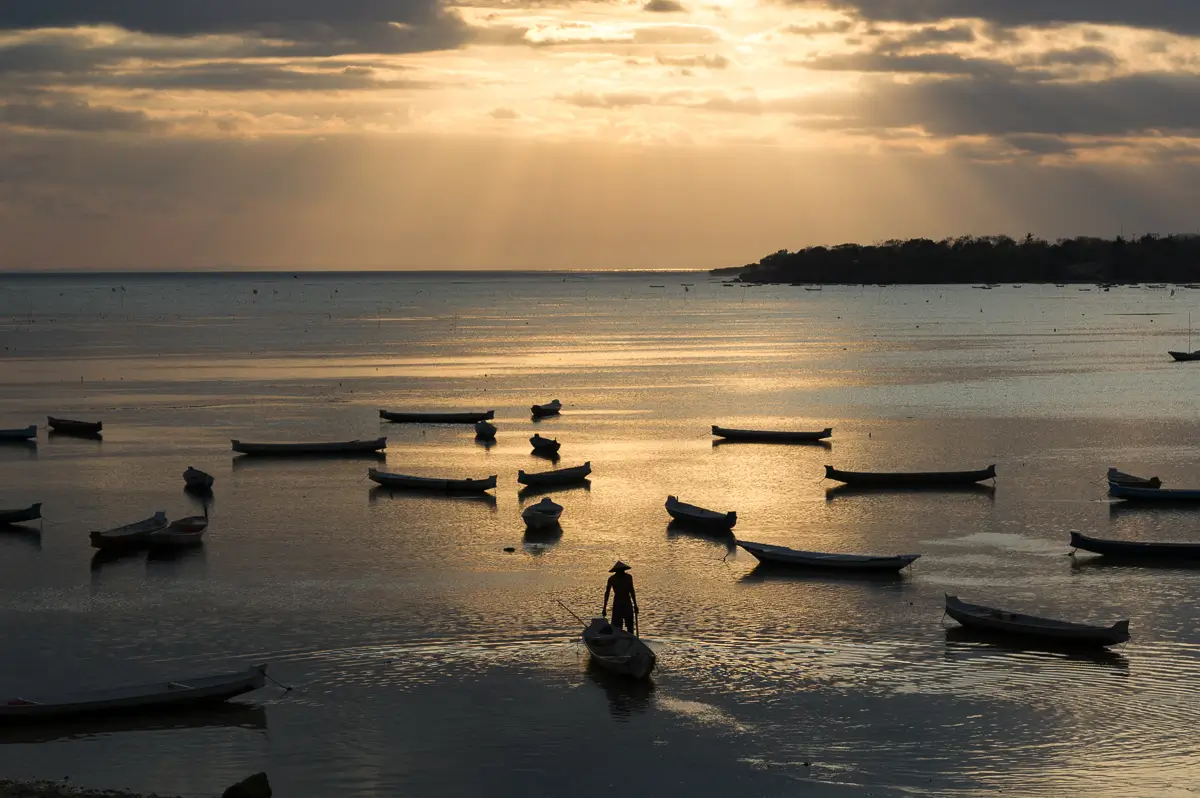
x,y
427,660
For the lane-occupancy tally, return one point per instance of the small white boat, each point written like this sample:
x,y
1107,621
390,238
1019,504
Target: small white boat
x,y
543,515
698,516
485,431
617,650
543,445
197,480
781,555
183,532
1116,477
135,534
336,447
976,616
404,481
563,476
22,435
158,695
549,409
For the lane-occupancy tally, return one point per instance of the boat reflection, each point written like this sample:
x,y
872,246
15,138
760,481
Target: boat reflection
x,y
171,561
28,535
529,491
827,445
848,491
106,557
380,492
66,437
625,696
553,457
1083,561
537,541
201,497
486,443
268,461
960,639
1163,509
18,450
228,715
765,571
723,538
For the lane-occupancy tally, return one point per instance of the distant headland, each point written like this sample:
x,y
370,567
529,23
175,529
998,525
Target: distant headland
x,y
984,259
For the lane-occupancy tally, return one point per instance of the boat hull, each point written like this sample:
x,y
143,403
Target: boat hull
x,y
770,436
976,616
792,558
910,479
563,476
485,431
180,534
620,652
544,445
68,427
309,449
20,435
31,513
1162,495
197,480
406,482
1133,549
129,536
436,418
699,517
549,409
1183,356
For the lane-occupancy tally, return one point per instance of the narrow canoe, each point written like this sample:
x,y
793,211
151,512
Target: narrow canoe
x,y
158,695
1165,495
618,651
698,516
183,532
69,427
1185,355
130,535
548,409
337,447
18,434
485,431
563,476
544,445
770,436
436,418
779,555
403,481
976,616
31,513
913,479
543,515
1129,548
196,479
1130,481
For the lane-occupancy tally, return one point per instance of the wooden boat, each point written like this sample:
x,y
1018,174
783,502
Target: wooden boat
x,y
548,409
617,650
910,479
22,435
698,516
543,515
770,436
158,695
31,513
436,418
197,480
1164,495
1116,477
779,555
338,447
1129,548
1185,355
405,482
183,532
543,445
69,427
976,616
563,476
130,535
485,431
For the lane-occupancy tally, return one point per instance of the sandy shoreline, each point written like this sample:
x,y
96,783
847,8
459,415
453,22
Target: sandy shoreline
x,y
62,789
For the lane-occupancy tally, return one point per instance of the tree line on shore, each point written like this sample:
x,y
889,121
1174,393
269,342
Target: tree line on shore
x,y
969,259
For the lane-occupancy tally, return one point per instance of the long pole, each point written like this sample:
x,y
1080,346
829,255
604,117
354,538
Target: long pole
x,y
573,615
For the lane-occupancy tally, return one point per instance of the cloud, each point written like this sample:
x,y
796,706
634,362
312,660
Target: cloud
x,y
237,76
820,28
73,115
926,63
931,35
584,99
503,113
714,61
664,6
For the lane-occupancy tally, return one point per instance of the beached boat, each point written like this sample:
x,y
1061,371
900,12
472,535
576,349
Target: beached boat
x,y
69,427
910,479
563,476
485,431
770,436
976,616
543,515
130,535
183,532
1116,477
1164,495
779,555
197,480
155,696
617,650
1185,355
31,513
1130,548
436,418
543,445
406,482
698,516
337,447
21,435
549,409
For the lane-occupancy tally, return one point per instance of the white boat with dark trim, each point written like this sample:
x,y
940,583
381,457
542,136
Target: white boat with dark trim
x,y
617,650
781,555
563,476
698,516
407,482
543,515
197,480
977,616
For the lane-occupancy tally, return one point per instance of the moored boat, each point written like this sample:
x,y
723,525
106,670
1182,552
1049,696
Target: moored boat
x,y
485,431
154,696
335,447
780,555
1163,495
21,435
910,479
68,427
543,445
401,417
617,650
770,436
563,476
20,516
977,616
1132,548
1116,477
197,480
182,532
551,408
404,481
698,516
543,515
1185,355
130,535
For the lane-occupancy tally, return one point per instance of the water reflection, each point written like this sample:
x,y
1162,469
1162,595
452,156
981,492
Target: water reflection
x,y
18,450
626,696
59,436
380,492
765,571
846,491
1083,561
108,558
486,443
827,445
20,533
229,715
960,640
553,457
721,538
538,541
175,561
201,497
530,491
246,461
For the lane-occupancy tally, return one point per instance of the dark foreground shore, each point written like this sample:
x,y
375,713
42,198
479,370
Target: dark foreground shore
x,y
58,789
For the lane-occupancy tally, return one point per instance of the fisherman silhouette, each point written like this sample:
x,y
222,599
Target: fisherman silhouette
x,y
625,607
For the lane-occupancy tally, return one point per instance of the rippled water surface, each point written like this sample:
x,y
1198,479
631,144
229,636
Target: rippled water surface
x,y
425,659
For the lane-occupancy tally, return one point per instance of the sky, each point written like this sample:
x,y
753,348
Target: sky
x,y
425,134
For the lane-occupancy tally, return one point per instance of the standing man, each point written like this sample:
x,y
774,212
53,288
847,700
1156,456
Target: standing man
x,y
620,584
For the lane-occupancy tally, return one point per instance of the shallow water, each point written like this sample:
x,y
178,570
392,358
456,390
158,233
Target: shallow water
x,y
426,659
